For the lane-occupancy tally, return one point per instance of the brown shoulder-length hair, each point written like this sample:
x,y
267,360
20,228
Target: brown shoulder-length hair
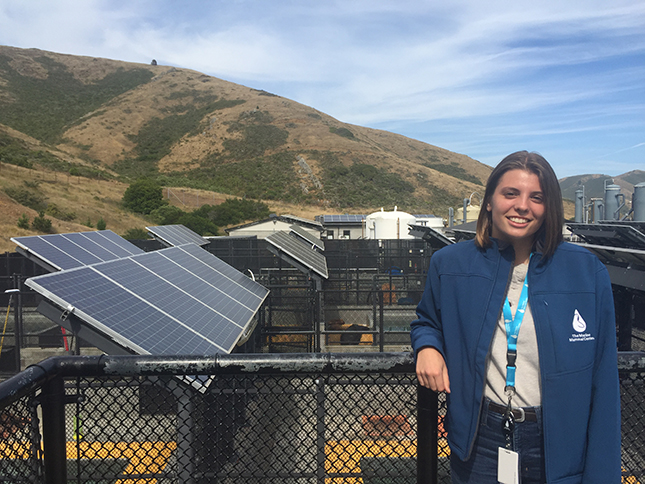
x,y
549,236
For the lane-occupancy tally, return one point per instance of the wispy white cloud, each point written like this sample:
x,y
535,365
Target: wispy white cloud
x,y
479,76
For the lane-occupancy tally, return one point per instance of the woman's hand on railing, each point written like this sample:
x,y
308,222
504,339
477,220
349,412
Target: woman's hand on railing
x,y
432,371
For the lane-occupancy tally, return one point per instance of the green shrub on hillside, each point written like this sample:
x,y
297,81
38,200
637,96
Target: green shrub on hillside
x,y
28,198
268,178
143,196
54,211
362,185
344,132
257,139
198,224
43,108
42,224
207,219
156,138
167,215
100,224
136,234
23,222
453,169
234,211
15,152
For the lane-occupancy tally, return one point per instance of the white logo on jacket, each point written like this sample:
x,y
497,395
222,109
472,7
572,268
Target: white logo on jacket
x,y
580,326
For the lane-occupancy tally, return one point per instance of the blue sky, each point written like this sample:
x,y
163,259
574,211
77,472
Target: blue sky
x,y
566,79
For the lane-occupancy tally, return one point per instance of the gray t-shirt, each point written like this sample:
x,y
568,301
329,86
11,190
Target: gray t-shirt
x,y
527,376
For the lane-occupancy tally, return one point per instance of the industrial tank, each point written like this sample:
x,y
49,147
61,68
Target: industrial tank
x,y
638,202
614,201
389,225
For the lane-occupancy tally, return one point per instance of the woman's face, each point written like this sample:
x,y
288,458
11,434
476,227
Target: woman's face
x,y
517,207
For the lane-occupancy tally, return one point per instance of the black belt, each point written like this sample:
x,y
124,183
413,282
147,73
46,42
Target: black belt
x,y
520,414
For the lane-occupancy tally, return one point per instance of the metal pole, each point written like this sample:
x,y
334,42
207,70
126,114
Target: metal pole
x,y
427,417
381,331
53,403
17,320
320,430
318,318
185,437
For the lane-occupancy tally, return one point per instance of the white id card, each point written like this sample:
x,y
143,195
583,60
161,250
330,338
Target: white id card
x,y
508,466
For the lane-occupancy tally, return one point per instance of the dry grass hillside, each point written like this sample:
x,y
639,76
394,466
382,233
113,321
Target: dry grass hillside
x,y
91,200
76,131
187,129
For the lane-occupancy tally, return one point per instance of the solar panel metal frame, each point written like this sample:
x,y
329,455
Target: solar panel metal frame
x,y
175,235
89,292
300,251
307,237
57,252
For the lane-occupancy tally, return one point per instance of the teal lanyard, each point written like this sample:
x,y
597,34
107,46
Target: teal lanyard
x,y
513,330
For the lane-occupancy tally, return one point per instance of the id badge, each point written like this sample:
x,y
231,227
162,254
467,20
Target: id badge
x,y
508,466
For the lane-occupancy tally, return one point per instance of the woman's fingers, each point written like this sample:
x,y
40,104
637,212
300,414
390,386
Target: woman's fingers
x,y
431,370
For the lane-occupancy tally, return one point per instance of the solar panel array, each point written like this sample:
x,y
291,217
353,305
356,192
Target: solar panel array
x,y
346,218
174,235
67,251
300,251
180,300
307,237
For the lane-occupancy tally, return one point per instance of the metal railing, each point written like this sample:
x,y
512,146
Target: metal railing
x,y
305,418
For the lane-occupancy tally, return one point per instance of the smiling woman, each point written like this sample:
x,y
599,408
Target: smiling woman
x,y
540,405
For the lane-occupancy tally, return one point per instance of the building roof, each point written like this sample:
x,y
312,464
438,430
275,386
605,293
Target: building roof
x,y
289,219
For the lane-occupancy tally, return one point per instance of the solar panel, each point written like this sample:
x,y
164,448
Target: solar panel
x,y
626,266
301,220
307,237
434,237
174,235
616,235
175,301
300,251
344,218
67,251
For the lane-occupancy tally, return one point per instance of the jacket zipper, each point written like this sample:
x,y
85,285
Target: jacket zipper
x,y
490,347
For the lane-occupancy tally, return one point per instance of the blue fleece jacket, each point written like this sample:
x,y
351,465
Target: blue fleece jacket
x,y
572,306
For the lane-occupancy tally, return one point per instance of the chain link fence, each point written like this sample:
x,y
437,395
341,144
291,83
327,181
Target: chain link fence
x,y
297,418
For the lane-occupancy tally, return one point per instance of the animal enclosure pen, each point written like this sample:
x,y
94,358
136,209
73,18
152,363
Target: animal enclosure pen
x,y
290,418
263,418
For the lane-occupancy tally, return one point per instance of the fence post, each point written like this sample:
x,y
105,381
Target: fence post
x,y
318,318
320,429
427,417
53,403
17,320
381,329
185,436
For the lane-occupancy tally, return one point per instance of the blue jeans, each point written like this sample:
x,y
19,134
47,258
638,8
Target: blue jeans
x,y
481,468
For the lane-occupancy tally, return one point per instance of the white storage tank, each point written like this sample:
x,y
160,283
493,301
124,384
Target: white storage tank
x,y
389,225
